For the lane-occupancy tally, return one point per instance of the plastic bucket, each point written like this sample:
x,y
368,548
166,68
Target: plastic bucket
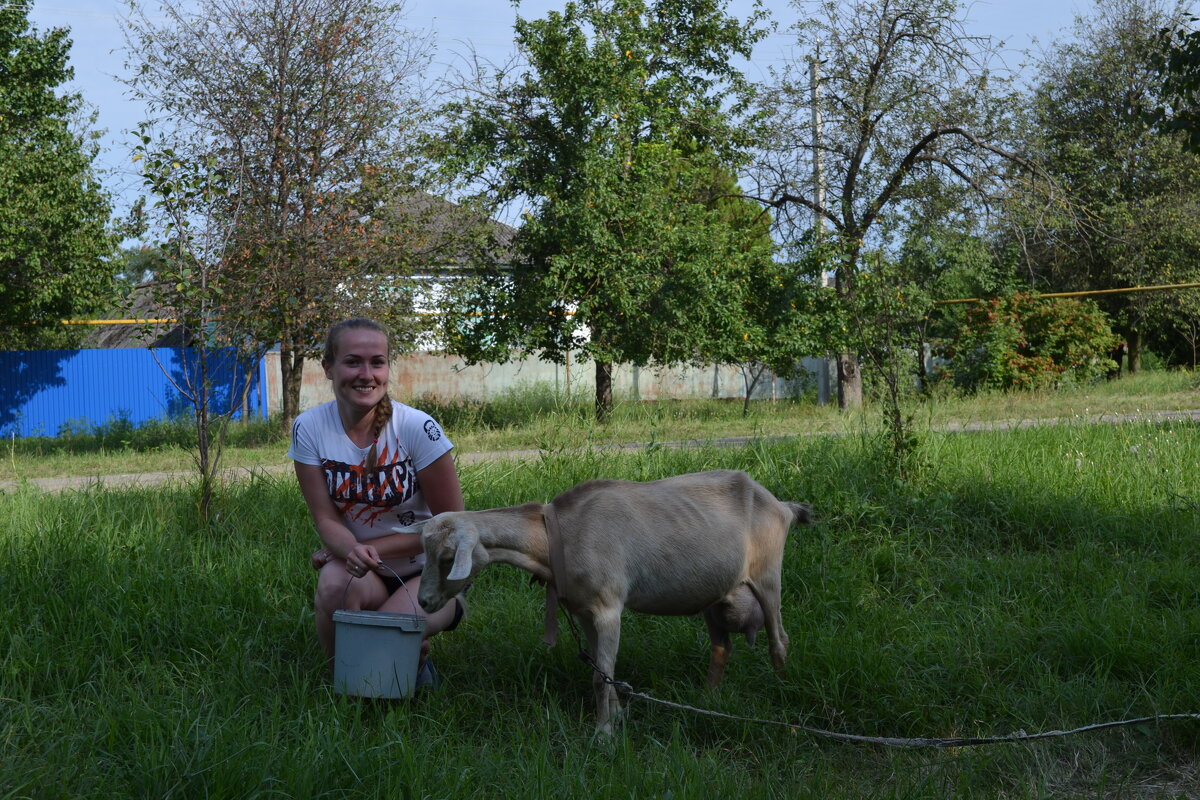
x,y
376,653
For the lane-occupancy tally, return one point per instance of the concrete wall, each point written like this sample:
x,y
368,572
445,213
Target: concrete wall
x,y
423,374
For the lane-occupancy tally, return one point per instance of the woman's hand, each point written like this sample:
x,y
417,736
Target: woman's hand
x,y
321,558
361,559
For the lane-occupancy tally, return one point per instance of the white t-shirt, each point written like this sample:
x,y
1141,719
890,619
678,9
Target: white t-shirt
x,y
372,504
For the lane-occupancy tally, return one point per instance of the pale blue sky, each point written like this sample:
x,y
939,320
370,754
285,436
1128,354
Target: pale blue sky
x,y
485,25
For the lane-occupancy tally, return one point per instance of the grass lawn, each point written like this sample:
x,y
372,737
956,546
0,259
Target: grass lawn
x,y
1035,579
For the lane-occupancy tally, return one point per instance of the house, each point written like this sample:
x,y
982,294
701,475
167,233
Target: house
x,y
446,239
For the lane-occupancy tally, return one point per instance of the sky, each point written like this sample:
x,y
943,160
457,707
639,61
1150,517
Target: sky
x,y
460,26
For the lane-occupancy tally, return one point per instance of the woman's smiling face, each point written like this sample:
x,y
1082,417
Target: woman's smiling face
x,y
359,371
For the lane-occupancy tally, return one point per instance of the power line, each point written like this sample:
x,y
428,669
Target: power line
x,y
1081,294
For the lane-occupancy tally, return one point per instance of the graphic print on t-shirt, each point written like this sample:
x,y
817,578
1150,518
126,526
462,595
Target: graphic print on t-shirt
x,y
365,496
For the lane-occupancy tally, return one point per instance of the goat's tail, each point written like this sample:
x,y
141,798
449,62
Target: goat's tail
x,y
801,512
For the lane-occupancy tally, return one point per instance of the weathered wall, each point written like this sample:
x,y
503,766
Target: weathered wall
x,y
424,374
43,392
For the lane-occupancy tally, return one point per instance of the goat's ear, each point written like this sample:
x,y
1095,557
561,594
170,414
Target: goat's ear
x,y
461,569
415,528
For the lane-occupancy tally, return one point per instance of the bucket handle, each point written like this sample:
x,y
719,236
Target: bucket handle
x,y
403,586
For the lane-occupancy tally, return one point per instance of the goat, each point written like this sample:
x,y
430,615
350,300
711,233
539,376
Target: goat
x,y
706,543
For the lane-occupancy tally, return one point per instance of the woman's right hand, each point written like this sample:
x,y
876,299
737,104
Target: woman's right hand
x,y
361,559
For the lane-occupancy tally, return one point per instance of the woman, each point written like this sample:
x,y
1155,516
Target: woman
x,y
366,463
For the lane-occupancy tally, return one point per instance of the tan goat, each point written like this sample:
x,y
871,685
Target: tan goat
x,y
706,543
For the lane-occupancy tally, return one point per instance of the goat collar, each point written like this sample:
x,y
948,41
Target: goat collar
x,y
556,586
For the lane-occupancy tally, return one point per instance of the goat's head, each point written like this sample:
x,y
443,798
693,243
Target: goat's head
x,y
453,555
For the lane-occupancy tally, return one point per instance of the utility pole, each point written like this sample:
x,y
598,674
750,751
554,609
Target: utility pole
x,y
814,73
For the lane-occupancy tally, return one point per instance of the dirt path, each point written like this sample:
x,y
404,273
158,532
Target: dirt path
x,y
238,473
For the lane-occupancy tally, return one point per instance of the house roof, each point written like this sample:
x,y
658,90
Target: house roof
x,y
141,306
451,238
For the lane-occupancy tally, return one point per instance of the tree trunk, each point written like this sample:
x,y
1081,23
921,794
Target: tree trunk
x,y
604,397
849,377
1134,357
291,374
757,370
849,382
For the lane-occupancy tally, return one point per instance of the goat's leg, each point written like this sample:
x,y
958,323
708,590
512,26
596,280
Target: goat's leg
x,y
722,646
603,630
767,590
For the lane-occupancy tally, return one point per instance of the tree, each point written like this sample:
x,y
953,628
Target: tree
x,y
762,301
947,261
54,238
902,97
1134,220
306,109
611,137
187,196
1184,346
139,264
1176,56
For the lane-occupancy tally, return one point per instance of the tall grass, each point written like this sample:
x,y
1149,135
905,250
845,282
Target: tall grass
x,y
1037,579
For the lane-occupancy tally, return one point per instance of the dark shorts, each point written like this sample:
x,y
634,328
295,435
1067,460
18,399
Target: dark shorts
x,y
392,583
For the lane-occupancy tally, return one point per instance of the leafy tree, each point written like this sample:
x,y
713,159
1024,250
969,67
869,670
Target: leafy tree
x,y
1176,57
755,291
612,138
905,98
54,239
944,262
1184,348
139,264
1133,218
887,315
188,283
305,109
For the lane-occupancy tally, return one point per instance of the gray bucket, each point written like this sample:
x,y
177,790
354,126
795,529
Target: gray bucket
x,y
376,653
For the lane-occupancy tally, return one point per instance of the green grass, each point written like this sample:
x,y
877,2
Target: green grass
x,y
1034,579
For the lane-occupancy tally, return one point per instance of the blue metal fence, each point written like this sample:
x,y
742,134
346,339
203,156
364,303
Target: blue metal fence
x,y
43,392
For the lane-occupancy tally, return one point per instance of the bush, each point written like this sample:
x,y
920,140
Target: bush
x,y
514,406
1026,342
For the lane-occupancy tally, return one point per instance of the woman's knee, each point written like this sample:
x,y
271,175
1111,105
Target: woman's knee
x,y
403,601
333,588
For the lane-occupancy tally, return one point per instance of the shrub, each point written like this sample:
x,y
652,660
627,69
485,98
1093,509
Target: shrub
x,y
1023,341
514,406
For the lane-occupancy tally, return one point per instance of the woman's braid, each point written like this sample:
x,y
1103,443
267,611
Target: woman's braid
x,y
383,414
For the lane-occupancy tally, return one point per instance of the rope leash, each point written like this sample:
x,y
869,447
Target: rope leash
x,y
626,691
